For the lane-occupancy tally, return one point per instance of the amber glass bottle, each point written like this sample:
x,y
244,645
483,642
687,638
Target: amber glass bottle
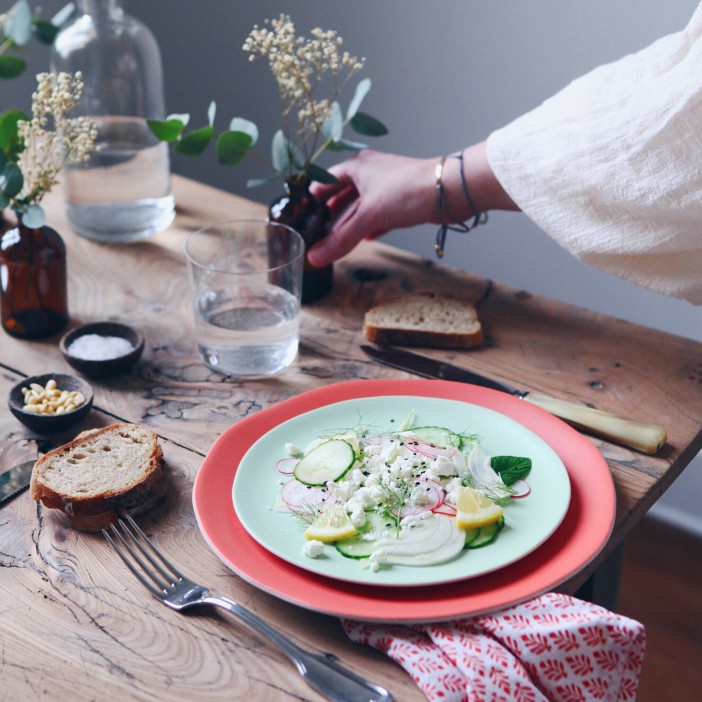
x,y
309,216
33,287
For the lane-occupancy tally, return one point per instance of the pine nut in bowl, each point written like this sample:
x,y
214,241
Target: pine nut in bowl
x,y
100,349
51,402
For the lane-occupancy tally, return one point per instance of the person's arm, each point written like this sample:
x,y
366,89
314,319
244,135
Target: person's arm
x,y
379,192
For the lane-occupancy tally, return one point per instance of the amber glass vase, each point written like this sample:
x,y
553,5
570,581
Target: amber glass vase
x,y
33,292
306,214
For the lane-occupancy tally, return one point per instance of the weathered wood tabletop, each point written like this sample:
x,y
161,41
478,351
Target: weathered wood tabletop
x,y
76,625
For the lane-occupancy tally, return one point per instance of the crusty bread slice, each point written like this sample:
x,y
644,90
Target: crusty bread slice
x,y
101,475
424,319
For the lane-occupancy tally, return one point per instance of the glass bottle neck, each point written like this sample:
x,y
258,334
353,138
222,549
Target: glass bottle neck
x,y
101,8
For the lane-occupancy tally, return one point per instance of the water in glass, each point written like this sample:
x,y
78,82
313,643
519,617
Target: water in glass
x,y
247,338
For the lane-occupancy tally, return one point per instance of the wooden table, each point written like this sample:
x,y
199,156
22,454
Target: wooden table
x,y
76,625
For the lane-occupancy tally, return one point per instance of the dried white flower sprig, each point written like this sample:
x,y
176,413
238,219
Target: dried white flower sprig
x,y
44,144
313,121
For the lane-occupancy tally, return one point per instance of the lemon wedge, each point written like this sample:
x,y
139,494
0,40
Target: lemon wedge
x,y
475,510
331,525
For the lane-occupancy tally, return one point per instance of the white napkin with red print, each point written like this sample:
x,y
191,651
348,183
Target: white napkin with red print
x,y
555,648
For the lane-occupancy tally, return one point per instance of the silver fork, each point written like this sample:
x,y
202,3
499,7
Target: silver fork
x,y
166,583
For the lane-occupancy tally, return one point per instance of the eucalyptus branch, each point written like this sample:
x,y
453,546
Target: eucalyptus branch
x,y
300,66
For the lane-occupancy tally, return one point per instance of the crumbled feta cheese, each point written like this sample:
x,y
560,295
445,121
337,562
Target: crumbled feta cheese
x,y
294,451
451,489
313,548
421,496
357,514
341,491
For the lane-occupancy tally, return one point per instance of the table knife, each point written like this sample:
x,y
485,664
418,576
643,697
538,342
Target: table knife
x,y
15,480
646,438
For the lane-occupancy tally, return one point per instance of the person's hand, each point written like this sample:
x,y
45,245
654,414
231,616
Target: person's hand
x,y
376,192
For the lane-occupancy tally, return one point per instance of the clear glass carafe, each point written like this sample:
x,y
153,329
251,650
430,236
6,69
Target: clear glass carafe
x,y
123,193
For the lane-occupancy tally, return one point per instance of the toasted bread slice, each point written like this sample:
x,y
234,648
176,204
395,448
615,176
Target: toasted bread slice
x,y
101,475
424,320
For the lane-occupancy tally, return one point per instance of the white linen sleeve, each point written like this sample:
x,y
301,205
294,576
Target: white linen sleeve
x,y
611,166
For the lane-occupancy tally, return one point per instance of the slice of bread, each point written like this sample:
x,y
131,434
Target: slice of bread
x,y
424,320
101,475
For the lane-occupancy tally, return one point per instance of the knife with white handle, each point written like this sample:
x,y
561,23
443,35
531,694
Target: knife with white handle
x,y
646,438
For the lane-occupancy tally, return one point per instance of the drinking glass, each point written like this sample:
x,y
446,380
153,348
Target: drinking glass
x,y
246,281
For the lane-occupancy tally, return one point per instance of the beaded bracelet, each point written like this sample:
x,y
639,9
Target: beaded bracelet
x,y
455,225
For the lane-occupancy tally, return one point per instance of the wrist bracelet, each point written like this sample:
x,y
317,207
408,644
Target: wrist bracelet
x,y
454,225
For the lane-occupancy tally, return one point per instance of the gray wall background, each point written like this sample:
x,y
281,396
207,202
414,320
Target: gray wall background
x,y
445,74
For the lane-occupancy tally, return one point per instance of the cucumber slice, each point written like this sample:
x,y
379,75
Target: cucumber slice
x,y
439,436
471,535
328,461
360,545
487,534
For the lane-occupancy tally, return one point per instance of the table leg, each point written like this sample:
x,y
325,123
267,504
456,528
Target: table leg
x,y
602,587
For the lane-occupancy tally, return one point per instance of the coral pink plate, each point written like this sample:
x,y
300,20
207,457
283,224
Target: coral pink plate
x,y
581,535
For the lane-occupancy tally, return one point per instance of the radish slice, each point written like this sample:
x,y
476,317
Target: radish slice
x,y
522,489
286,466
298,496
446,509
430,450
435,495
381,440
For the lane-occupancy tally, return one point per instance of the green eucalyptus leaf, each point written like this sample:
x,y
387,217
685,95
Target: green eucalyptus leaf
x,y
238,124
346,145
361,91
63,15
232,147
33,217
45,31
256,182
321,175
297,157
280,154
10,142
3,161
183,117
165,130
211,112
11,66
364,124
194,143
4,201
11,180
333,126
18,25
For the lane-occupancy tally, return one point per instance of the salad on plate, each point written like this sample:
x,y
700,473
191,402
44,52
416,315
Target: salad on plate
x,y
417,496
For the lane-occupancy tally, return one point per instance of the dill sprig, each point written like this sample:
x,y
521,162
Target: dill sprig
x,y
490,491
396,497
308,512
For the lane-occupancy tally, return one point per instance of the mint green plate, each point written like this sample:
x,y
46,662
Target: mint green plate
x,y
528,521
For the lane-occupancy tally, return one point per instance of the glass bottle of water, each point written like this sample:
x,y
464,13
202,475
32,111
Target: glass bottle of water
x,y
123,193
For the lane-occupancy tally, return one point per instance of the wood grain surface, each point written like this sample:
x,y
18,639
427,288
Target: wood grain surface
x,y
75,625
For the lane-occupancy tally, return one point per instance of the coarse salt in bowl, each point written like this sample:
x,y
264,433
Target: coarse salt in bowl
x,y
102,348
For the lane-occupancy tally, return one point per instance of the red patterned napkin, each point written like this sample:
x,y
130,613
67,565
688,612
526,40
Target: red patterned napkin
x,y
554,648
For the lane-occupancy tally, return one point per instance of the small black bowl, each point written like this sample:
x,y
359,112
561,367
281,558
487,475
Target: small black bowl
x,y
48,423
109,366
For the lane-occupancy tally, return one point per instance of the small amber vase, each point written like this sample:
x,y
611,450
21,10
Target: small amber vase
x,y
299,209
33,282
